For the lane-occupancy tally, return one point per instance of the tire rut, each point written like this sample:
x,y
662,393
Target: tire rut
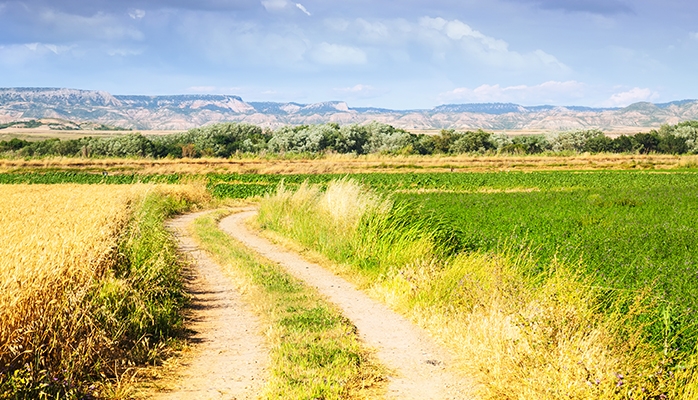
x,y
230,357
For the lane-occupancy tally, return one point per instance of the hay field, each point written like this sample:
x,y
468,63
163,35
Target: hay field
x,y
347,163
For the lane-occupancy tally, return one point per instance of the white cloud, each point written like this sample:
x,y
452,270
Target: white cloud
x,y
443,35
302,8
274,5
336,54
136,13
449,42
693,35
374,31
551,92
631,96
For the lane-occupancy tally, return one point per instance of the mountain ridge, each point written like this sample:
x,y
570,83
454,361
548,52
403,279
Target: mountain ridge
x,y
186,111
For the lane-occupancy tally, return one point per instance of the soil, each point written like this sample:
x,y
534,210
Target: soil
x,y
229,355
420,368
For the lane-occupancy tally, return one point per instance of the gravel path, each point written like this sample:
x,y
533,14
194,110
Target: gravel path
x,y
420,367
229,358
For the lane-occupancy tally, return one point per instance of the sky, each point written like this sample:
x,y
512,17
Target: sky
x,y
406,54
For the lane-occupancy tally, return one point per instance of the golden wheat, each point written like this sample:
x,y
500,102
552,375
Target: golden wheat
x,y
56,243
53,240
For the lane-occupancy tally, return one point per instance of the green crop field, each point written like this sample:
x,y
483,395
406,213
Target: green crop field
x,y
628,231
568,260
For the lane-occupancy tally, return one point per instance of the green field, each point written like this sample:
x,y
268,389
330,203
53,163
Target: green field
x,y
564,261
627,231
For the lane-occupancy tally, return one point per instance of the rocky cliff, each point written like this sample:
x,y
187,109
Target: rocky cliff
x,y
187,111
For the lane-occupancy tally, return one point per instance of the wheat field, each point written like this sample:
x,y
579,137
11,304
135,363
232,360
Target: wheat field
x,y
54,240
59,250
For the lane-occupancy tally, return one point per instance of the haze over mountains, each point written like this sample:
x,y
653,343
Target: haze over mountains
x,y
181,112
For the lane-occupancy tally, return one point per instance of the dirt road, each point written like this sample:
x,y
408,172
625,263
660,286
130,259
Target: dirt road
x,y
229,355
420,368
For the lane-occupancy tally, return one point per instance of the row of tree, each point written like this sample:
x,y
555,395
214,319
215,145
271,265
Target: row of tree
x,y
227,139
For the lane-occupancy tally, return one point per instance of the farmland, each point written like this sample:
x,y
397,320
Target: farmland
x,y
544,282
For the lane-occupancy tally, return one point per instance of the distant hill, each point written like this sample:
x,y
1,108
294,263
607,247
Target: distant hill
x,y
186,111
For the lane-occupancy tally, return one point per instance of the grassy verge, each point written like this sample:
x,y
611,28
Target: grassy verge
x,y
522,329
125,314
316,353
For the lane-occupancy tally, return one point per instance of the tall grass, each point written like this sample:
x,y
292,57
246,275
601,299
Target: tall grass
x,y
89,285
523,331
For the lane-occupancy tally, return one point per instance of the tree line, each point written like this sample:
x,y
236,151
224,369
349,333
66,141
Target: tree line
x,y
229,139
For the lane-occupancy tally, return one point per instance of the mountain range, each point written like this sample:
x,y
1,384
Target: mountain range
x,y
179,112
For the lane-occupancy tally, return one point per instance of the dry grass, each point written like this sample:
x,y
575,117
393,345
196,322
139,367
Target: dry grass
x,y
339,163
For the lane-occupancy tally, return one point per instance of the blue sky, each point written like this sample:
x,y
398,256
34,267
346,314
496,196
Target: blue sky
x,y
399,54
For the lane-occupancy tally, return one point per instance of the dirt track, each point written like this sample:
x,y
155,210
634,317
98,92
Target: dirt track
x,y
230,355
420,368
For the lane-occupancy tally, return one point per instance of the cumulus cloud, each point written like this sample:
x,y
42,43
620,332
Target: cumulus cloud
x,y
336,54
631,96
302,8
551,92
481,47
447,41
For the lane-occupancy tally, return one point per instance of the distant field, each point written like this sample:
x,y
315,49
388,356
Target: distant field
x,y
43,133
346,164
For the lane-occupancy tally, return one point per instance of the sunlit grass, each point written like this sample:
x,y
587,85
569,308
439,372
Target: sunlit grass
x,y
523,329
315,351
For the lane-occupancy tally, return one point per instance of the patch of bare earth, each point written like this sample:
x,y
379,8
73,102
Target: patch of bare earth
x,y
420,368
229,357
